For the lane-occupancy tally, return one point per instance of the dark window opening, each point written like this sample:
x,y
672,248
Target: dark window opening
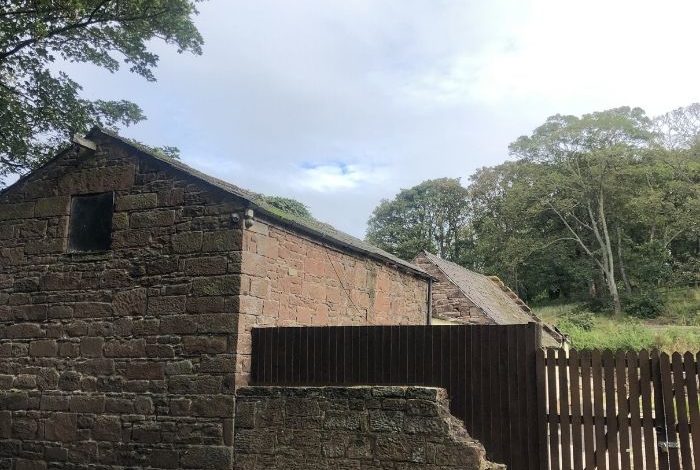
x,y
90,226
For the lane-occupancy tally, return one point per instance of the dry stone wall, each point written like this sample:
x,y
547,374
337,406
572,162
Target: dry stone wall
x,y
126,357
351,428
291,280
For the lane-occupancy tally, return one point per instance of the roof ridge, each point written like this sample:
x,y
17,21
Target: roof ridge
x,y
318,229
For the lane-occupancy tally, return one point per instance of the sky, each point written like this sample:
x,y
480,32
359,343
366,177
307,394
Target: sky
x,y
340,104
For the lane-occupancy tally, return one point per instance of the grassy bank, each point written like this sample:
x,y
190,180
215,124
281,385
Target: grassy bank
x,y
677,329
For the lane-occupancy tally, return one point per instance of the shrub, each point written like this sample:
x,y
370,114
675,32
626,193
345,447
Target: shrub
x,y
647,304
597,305
577,318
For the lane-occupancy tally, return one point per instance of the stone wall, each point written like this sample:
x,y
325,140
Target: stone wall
x,y
449,302
351,428
291,280
124,357
128,357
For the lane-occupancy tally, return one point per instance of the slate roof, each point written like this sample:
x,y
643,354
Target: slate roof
x,y
490,294
313,228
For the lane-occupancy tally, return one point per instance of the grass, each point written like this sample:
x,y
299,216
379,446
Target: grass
x,y
677,329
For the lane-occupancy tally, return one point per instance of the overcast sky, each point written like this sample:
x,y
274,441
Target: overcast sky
x,y
342,103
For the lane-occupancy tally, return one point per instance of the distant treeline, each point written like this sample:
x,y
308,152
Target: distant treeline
x,y
603,208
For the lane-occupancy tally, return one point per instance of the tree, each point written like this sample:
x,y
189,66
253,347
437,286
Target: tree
x,y
431,216
680,128
584,163
513,238
41,107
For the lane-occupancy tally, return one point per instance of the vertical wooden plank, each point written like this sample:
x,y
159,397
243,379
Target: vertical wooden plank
x,y
355,358
469,378
318,356
659,412
681,410
364,356
387,351
669,410
411,355
439,355
533,342
460,385
621,378
270,351
510,425
635,410
564,410
298,360
255,355
504,417
420,355
610,410
403,354
456,362
303,371
378,352
272,354
484,374
348,352
553,412
691,376
475,383
576,416
645,383
520,420
331,344
541,376
494,418
587,401
598,411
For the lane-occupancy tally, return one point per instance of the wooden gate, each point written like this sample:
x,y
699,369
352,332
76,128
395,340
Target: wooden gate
x,y
620,411
488,371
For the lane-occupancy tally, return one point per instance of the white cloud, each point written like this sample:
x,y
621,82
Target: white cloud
x,y
597,54
402,90
335,177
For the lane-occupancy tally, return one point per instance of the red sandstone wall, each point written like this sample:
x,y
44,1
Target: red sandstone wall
x,y
124,357
290,280
449,302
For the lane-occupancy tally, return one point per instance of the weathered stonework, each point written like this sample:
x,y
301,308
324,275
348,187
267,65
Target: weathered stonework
x,y
128,357
107,357
449,302
351,427
290,280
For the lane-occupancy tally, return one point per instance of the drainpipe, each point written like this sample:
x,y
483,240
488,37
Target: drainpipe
x,y
429,320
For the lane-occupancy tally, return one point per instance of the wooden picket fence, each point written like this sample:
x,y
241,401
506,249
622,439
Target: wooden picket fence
x,y
620,410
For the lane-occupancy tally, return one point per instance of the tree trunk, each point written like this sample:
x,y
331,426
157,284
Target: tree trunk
x,y
610,264
623,273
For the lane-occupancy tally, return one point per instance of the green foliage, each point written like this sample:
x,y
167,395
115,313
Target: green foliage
x,y
597,305
595,208
645,304
431,216
676,329
41,108
577,318
627,335
288,206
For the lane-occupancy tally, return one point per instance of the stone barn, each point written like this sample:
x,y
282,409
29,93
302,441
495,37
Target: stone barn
x,y
129,284
462,296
